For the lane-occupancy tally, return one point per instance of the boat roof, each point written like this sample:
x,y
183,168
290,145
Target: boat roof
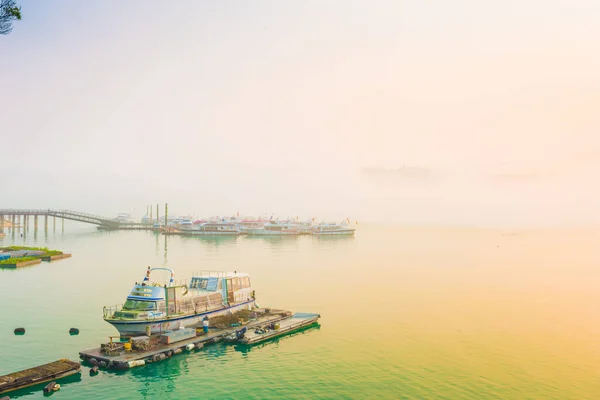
x,y
219,274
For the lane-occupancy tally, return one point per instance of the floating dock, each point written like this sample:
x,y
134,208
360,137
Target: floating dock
x,y
36,375
55,257
21,264
115,355
288,325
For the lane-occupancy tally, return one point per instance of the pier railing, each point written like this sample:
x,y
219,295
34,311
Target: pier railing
x,y
104,222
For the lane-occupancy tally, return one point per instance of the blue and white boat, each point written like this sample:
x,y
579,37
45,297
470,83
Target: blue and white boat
x,y
154,307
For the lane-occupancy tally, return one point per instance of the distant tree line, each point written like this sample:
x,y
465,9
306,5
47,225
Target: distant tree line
x,y
9,12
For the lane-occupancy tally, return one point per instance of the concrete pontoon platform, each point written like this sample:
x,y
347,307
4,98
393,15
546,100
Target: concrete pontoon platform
x,y
285,326
122,359
36,375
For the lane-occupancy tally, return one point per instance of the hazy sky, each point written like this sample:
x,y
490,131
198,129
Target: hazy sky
x,y
462,112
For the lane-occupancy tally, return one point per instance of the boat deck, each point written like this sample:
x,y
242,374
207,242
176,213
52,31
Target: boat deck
x,y
39,374
159,351
295,322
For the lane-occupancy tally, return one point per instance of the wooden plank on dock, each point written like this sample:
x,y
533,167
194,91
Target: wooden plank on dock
x,y
285,326
40,374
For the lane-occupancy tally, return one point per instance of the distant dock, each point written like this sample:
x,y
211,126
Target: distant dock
x,y
11,218
21,256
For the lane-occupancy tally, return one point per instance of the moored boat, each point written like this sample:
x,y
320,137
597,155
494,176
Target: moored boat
x,y
333,229
154,307
212,229
249,224
274,228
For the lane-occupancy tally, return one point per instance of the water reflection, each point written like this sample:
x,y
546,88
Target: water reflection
x,y
275,243
216,240
333,241
166,251
161,377
272,238
333,238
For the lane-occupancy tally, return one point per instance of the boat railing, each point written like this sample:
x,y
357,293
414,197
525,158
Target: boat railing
x,y
108,311
193,305
180,282
210,274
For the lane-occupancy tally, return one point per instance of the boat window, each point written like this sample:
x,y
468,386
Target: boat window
x,y
139,305
198,283
245,282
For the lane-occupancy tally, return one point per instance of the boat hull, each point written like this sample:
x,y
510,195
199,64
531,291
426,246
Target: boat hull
x,y
332,233
264,232
208,233
158,325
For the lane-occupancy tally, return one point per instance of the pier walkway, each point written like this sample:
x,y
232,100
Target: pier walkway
x,y
14,215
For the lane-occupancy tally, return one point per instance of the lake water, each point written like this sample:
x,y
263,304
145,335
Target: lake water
x,y
407,313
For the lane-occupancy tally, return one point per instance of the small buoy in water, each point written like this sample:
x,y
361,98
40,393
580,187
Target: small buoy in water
x,y
74,331
19,331
94,370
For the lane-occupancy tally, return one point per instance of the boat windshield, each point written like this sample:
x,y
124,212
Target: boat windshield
x,y
139,305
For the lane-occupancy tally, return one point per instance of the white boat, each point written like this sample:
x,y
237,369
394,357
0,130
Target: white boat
x,y
274,228
333,229
179,222
249,224
212,229
154,307
304,227
122,217
186,223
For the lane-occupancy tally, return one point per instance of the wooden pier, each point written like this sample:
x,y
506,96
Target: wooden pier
x,y
36,375
15,216
121,358
285,326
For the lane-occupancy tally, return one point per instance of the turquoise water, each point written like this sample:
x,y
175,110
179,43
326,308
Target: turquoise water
x,y
406,314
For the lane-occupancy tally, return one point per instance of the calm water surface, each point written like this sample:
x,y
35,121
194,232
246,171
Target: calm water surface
x,y
406,314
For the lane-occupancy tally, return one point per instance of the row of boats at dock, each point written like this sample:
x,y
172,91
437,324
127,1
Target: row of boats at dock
x,y
249,226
